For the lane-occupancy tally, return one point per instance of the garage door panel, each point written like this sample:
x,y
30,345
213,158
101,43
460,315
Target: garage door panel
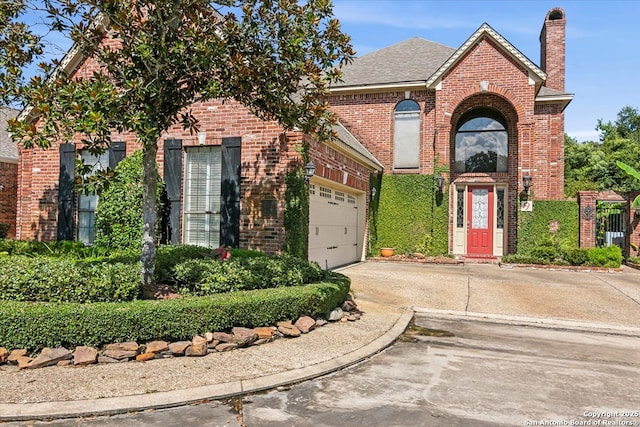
x,y
333,227
332,236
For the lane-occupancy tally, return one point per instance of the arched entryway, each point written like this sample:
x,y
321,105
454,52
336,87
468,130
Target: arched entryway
x,y
484,173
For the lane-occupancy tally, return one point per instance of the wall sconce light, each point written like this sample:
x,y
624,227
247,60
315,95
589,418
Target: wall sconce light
x,y
440,183
526,183
373,192
202,138
2,187
309,171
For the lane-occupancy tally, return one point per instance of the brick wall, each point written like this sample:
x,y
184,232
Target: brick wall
x,y
267,152
536,135
8,195
552,48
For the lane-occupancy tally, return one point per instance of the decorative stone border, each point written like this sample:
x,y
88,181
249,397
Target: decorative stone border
x,y
199,345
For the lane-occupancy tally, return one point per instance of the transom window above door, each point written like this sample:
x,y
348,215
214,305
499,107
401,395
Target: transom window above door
x,y
481,143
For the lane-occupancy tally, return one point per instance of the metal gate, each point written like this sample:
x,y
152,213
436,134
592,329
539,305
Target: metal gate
x,y
612,224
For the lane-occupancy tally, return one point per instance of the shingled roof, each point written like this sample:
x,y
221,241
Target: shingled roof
x,y
410,61
8,148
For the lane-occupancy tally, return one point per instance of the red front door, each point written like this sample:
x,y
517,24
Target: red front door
x,y
480,225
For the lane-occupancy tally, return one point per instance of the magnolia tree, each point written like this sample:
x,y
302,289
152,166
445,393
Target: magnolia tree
x,y
277,57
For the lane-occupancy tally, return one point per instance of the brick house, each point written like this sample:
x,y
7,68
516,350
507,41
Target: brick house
x,y
483,111
8,173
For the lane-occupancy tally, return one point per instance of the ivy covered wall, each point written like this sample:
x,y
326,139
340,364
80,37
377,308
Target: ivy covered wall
x,y
550,220
408,214
296,214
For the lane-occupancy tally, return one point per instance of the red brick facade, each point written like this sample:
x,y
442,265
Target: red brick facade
x,y
267,153
487,75
8,195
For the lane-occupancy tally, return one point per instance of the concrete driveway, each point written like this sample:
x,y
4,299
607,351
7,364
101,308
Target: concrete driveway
x,y
592,297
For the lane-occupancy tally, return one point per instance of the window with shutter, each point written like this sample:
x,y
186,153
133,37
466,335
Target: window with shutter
x,y
203,171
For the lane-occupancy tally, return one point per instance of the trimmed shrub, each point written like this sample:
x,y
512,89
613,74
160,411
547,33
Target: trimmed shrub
x,y
37,325
206,277
611,256
64,280
577,256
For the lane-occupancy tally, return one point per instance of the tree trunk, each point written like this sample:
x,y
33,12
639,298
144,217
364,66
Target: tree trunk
x,y
149,213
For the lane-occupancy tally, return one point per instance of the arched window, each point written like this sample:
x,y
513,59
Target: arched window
x,y
481,142
406,136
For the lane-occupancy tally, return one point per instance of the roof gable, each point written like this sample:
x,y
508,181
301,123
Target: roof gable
x,y
485,30
407,62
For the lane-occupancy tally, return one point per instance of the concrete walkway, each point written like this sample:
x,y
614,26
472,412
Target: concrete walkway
x,y
388,293
610,299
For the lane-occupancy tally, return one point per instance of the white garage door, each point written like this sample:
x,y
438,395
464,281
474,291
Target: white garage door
x,y
333,226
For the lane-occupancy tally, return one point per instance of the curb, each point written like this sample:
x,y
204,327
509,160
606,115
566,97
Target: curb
x,y
167,399
536,322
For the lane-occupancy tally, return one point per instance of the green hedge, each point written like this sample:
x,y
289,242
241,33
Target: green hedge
x,y
66,280
37,325
206,277
533,227
296,214
408,214
610,257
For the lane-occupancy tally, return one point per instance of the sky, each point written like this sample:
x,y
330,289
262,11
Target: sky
x,y
602,42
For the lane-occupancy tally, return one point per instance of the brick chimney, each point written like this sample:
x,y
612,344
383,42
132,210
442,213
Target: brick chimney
x,y
552,48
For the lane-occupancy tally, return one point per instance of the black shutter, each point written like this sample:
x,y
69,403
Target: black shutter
x,y
173,187
230,193
117,151
65,192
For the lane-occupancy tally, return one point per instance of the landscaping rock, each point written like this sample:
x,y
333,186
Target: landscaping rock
x,y
106,359
265,332
288,329
335,315
120,354
197,349
244,336
4,354
178,348
213,344
12,359
321,322
261,341
145,357
349,306
222,337
123,346
23,361
50,356
85,355
157,347
209,336
198,340
226,346
305,324
66,362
